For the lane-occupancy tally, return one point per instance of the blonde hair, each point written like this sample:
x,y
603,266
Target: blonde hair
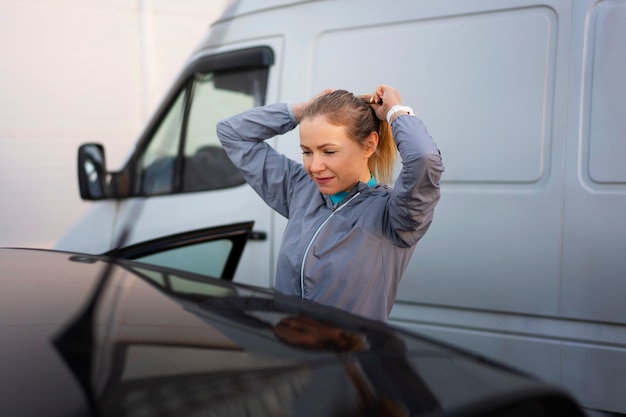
x,y
342,108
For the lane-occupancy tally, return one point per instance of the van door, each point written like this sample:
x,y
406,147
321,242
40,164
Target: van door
x,y
489,83
181,166
179,169
490,110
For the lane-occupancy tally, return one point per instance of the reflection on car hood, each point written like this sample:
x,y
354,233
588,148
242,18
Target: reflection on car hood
x,y
163,342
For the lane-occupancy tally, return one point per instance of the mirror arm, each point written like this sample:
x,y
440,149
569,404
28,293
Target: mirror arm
x,y
119,184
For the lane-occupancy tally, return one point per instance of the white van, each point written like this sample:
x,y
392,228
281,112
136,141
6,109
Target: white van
x,y
526,257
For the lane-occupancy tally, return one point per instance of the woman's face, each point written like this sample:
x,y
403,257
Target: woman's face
x,y
331,158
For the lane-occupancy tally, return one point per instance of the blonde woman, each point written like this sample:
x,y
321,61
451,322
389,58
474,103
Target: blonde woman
x,y
349,235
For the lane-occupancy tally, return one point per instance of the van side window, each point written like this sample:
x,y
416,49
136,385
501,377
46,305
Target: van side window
x,y
184,153
215,96
159,158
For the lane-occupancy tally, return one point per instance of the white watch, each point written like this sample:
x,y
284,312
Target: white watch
x,y
398,108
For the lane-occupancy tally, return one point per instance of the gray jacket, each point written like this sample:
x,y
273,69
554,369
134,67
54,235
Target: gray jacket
x,y
353,254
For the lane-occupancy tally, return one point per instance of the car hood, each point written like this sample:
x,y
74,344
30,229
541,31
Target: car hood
x,y
147,340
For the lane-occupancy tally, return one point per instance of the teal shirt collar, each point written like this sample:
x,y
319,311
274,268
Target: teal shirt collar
x,y
337,198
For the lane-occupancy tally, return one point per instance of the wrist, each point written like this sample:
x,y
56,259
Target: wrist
x,y
398,110
297,109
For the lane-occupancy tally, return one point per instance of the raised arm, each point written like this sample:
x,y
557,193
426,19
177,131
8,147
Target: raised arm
x,y
267,171
416,190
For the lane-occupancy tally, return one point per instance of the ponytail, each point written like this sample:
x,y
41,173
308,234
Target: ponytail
x,y
382,162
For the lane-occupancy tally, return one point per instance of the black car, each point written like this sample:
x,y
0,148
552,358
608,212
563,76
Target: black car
x,y
85,335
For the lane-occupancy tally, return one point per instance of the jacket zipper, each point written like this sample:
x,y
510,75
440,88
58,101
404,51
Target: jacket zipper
x,y
306,251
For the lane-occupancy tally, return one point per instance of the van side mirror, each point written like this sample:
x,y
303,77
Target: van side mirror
x,y
92,175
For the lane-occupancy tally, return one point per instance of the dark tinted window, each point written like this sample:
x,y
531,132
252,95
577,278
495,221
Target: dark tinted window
x,y
184,153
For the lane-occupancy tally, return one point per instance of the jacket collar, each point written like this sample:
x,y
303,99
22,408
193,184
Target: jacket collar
x,y
358,187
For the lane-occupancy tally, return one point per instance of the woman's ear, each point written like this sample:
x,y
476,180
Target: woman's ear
x,y
371,143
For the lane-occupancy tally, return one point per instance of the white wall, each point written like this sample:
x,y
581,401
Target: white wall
x,y
75,71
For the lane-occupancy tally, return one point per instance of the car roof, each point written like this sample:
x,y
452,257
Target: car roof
x,y
160,339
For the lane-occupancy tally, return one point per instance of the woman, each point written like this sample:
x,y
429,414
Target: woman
x,y
348,238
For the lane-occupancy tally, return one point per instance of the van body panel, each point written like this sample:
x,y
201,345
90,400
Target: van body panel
x,y
94,231
596,374
524,261
594,240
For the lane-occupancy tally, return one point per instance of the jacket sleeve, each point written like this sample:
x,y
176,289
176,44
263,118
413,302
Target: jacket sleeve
x,y
416,190
268,172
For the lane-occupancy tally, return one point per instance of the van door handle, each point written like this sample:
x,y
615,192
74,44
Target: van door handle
x,y
257,235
